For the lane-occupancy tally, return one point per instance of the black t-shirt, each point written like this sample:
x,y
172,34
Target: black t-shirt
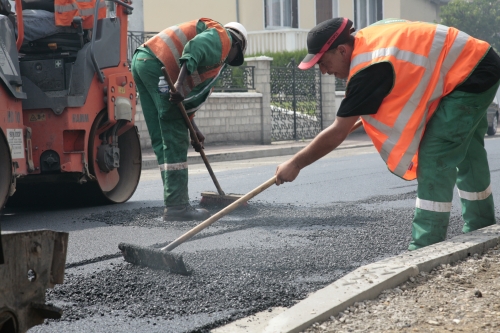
x,y
368,88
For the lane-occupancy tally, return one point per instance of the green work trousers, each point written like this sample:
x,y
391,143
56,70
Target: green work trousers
x,y
452,152
166,127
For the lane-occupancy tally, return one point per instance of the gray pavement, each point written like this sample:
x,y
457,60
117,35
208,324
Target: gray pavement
x,y
223,153
366,282
322,184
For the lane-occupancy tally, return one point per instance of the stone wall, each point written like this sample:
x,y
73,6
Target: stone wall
x,y
226,118
231,118
142,128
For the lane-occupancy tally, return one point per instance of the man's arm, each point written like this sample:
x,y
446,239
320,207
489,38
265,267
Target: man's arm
x,y
177,96
204,50
366,91
329,139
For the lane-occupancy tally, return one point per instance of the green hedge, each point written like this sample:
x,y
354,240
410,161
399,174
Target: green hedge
x,y
281,59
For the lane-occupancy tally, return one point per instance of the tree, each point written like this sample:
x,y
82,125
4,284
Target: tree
x,y
478,18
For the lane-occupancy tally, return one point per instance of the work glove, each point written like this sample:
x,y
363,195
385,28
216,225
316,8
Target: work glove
x,y
176,97
201,138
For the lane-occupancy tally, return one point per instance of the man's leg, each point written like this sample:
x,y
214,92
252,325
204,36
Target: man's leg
x,y
146,71
473,181
167,141
169,138
175,168
473,184
434,194
445,145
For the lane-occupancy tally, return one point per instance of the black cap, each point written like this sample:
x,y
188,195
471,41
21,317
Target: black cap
x,y
325,36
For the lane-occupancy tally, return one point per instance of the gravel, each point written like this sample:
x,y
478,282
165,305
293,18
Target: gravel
x,y
300,250
463,297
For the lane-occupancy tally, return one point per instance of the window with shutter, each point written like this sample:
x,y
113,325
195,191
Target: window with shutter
x,y
281,14
367,12
326,9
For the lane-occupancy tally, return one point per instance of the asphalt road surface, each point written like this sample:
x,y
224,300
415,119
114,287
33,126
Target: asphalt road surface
x,y
342,212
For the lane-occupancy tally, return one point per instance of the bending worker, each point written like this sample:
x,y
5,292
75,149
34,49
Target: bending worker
x,y
422,91
194,54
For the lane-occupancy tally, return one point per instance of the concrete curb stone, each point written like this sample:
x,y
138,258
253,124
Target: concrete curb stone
x,y
367,282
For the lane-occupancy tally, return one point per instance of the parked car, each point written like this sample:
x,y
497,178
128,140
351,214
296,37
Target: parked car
x,y
493,111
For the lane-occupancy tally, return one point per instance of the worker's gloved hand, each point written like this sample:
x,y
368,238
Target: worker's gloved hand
x,y
176,97
201,138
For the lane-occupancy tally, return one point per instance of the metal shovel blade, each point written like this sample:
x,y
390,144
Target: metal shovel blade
x,y
153,258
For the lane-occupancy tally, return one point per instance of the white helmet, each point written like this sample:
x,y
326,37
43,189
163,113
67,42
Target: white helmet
x,y
239,30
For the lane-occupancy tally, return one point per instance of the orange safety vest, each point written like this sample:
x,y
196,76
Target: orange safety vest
x,y
169,44
66,10
429,61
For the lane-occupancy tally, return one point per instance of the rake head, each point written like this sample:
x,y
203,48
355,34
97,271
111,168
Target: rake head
x,y
217,200
153,258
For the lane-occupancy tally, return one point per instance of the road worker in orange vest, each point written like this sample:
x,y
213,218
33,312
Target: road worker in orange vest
x,y
46,18
66,10
422,91
194,53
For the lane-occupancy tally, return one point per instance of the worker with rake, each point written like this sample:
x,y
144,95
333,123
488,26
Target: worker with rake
x,y
194,54
422,91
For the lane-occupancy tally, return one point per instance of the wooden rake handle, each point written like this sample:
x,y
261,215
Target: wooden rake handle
x,y
193,133
220,214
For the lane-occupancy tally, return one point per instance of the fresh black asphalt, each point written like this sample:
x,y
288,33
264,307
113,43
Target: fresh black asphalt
x,y
272,253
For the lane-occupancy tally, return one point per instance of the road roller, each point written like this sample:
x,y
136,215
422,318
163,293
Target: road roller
x,y
67,104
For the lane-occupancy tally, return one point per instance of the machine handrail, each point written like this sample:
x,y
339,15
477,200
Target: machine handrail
x,y
20,24
97,69
121,3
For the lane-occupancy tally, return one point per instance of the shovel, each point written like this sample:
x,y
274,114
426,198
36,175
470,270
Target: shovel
x,y
166,260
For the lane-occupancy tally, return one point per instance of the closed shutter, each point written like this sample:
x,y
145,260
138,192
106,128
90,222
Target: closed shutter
x,y
323,10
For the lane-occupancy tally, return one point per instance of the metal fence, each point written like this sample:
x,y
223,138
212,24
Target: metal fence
x,y
295,103
340,84
136,39
235,79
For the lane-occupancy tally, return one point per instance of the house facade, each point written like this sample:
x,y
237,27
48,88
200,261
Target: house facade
x,y
273,26
277,25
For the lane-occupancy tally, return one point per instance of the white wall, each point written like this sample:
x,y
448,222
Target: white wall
x,y
419,10
161,14
234,118
136,20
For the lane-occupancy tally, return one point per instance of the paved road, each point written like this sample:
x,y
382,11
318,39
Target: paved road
x,y
342,212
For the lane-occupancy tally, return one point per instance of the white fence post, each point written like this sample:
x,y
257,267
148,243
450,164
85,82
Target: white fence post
x,y
329,109
262,81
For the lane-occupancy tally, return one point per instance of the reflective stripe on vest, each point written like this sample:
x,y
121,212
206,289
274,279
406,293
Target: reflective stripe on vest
x,y
473,196
90,10
433,206
169,44
399,124
204,90
66,10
